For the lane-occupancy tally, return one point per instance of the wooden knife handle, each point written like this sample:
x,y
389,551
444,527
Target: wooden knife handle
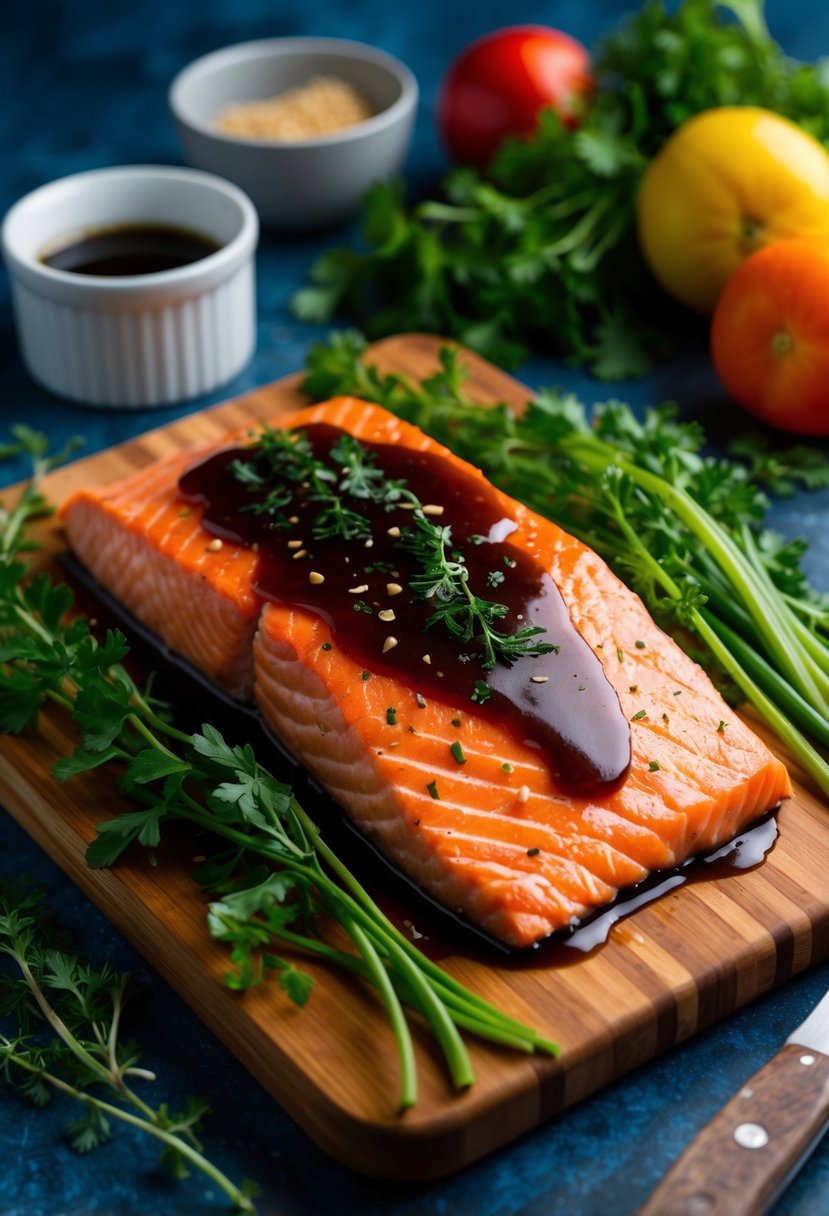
x,y
739,1163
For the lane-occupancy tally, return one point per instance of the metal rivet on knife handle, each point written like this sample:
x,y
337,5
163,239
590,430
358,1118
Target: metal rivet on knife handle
x,y
751,1135
782,1111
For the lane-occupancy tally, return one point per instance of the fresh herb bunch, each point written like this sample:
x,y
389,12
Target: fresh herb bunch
x,y
542,251
274,882
60,1032
684,530
286,458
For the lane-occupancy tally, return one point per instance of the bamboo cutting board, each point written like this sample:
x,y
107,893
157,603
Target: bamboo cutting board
x,y
667,970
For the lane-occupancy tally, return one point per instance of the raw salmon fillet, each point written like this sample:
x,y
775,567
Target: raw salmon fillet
x,y
509,850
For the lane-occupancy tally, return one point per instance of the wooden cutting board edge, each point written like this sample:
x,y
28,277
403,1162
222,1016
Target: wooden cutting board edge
x,y
513,1095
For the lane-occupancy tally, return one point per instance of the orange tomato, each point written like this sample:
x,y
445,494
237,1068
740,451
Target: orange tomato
x,y
727,183
770,337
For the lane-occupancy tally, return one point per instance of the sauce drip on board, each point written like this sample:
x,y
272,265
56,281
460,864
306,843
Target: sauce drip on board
x,y
559,702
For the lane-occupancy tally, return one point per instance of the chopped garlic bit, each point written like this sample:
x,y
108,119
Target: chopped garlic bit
x,y
432,508
358,590
316,578
386,615
393,588
294,544
389,644
539,679
300,553
395,531
214,545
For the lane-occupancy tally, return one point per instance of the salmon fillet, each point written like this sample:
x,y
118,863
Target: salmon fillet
x,y
510,850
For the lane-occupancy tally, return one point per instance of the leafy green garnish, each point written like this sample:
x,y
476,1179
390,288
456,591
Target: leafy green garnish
x,y
444,582
61,1033
273,881
351,472
542,252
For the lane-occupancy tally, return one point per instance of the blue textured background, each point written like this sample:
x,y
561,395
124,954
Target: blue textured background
x,y
84,87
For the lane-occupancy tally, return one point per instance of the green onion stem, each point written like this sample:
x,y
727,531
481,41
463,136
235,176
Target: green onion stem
x,y
764,609
399,1025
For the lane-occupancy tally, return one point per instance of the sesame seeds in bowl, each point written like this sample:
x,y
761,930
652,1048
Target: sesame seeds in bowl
x,y
298,183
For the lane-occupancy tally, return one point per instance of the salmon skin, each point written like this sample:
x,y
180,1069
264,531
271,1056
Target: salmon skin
x,y
495,839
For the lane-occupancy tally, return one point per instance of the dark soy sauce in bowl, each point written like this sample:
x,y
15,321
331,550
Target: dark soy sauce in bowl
x,y
128,249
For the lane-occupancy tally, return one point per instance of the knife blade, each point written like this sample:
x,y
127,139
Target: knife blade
x,y
741,1161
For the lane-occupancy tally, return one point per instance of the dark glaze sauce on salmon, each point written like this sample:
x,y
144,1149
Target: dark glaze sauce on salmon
x,y
559,702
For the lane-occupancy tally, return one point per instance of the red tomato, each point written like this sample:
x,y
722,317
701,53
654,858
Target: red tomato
x,y
770,336
497,86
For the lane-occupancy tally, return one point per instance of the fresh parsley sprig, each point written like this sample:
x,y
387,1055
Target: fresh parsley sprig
x,y
274,884
60,1032
685,530
542,252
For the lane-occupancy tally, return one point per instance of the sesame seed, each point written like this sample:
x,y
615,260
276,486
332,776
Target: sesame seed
x,y
523,793
300,553
432,508
393,588
316,578
214,545
389,644
358,590
395,532
539,679
386,615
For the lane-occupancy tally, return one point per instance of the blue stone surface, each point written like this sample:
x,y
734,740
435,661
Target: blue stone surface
x,y
84,85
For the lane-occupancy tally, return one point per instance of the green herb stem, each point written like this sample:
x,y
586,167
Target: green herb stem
x,y
764,609
403,1039
772,684
177,1144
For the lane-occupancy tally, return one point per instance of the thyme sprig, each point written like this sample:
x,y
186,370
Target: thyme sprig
x,y
685,530
275,884
61,1032
444,581
282,458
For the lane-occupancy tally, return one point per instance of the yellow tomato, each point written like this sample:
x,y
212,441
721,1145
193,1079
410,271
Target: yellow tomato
x,y
727,183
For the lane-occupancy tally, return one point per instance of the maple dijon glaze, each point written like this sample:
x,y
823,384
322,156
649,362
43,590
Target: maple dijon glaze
x,y
559,702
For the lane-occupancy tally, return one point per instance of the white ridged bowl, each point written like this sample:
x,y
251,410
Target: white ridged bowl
x,y
134,340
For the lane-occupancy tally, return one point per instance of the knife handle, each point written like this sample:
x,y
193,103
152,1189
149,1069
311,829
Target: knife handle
x,y
740,1162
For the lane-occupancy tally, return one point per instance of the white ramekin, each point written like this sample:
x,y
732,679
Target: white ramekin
x,y
134,340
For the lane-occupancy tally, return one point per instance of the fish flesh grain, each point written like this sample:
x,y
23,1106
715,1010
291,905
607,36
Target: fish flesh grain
x,y
496,835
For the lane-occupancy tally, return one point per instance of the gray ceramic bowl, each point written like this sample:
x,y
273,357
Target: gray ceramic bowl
x,y
309,183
